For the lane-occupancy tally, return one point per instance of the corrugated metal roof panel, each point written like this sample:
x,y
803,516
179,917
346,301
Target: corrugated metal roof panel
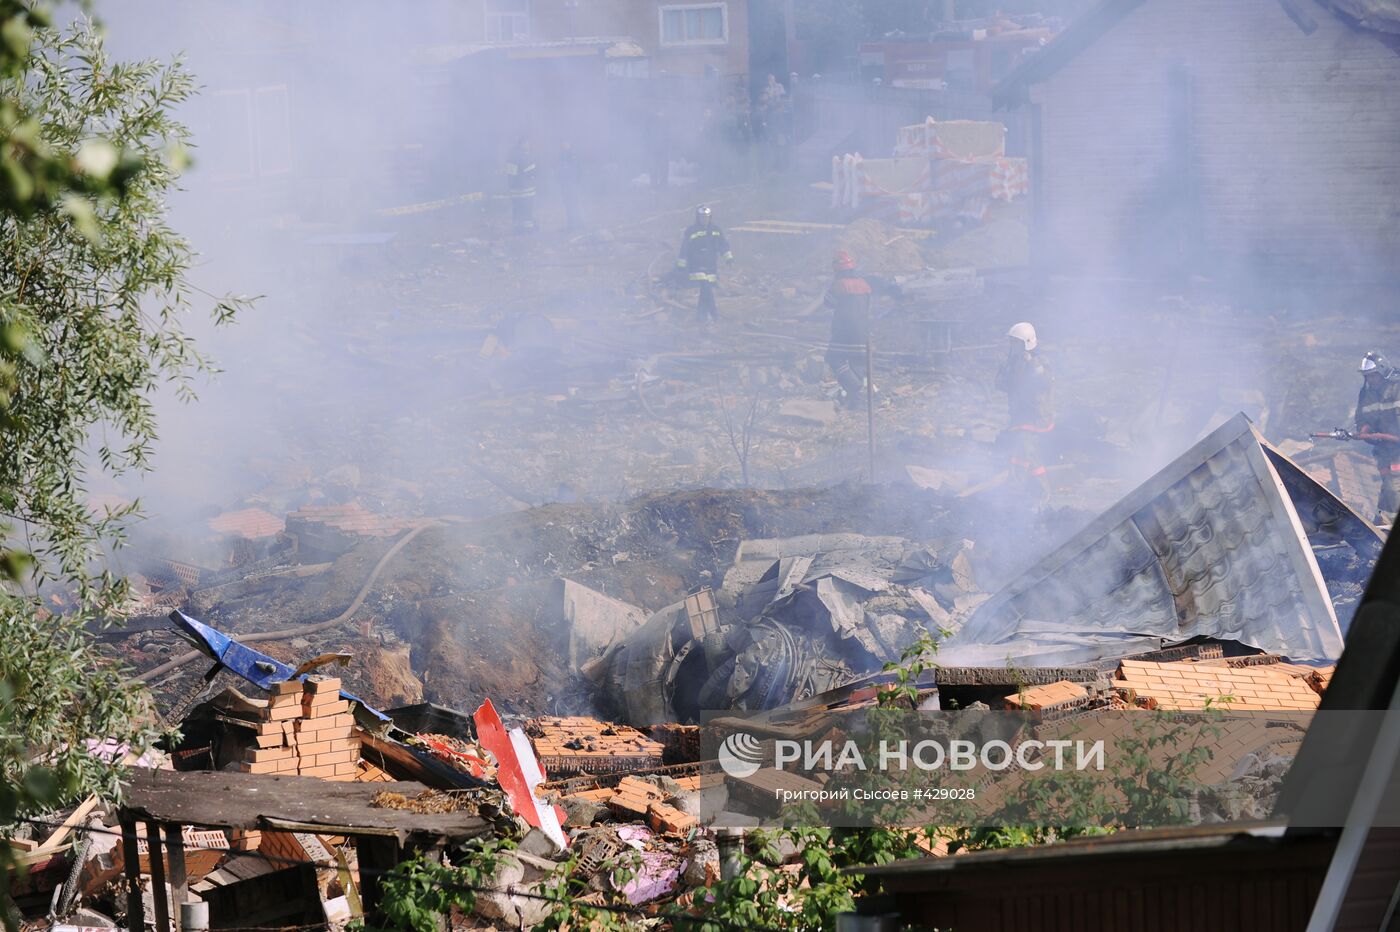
x,y
1210,546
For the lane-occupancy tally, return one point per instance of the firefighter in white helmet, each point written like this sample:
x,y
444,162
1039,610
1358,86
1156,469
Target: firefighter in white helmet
x,y
1030,396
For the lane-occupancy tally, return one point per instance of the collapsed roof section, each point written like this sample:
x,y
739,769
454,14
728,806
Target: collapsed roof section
x,y
801,615
1216,545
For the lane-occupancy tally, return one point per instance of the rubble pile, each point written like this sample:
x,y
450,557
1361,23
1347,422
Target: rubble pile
x,y
625,815
803,615
526,598
578,745
590,601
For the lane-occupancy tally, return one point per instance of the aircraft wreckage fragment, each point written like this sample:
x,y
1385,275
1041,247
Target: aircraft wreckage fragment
x,y
1231,541
1223,543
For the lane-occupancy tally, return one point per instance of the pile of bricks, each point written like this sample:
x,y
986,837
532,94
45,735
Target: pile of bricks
x,y
1192,686
306,729
579,744
680,744
204,849
1052,699
637,799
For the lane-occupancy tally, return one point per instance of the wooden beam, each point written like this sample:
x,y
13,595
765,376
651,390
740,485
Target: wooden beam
x,y
347,883
77,815
327,828
157,859
179,878
131,857
377,856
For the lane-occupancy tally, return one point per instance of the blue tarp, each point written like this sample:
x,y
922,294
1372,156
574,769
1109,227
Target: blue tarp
x,y
254,666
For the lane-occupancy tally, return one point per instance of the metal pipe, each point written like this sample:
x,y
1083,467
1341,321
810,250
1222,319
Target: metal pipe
x,y
730,842
194,917
870,403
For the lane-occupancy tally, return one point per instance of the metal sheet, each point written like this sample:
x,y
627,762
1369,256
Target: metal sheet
x,y
253,665
1210,546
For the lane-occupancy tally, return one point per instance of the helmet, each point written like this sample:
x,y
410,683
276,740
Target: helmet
x,y
1025,333
1373,361
843,262
702,213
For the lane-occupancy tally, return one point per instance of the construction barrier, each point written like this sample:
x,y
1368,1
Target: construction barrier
x,y
944,170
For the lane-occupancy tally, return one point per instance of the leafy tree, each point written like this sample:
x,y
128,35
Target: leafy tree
x,y
417,893
93,287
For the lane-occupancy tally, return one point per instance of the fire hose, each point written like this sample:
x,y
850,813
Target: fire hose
x,y
1341,433
304,629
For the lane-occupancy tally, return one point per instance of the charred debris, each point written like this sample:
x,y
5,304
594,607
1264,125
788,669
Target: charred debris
x,y
368,661
1230,571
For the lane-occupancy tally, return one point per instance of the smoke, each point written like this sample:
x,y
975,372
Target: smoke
x,y
349,170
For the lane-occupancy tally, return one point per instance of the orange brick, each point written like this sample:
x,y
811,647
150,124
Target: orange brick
x,y
270,766
275,740
286,688
284,713
321,698
319,683
245,840
665,818
337,757
259,755
311,749
322,723
326,771
334,733
325,709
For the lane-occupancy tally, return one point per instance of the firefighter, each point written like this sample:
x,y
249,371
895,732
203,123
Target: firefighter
x,y
520,185
1030,395
702,246
848,298
1378,412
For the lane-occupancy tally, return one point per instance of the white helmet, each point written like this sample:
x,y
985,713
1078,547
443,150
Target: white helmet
x,y
1025,333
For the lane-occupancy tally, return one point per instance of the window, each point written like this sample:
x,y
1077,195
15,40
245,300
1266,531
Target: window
x,y
702,24
507,20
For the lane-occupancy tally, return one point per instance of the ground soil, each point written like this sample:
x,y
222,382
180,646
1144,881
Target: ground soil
x,y
609,444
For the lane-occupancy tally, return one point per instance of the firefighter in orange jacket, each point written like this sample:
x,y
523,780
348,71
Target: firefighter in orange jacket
x,y
1030,395
848,298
